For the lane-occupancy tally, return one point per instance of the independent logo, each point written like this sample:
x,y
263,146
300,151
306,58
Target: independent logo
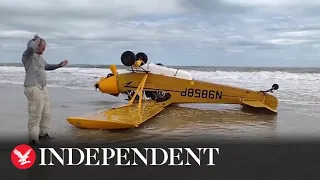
x,y
23,156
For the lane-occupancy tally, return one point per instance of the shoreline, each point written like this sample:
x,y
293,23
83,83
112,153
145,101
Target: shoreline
x,y
178,122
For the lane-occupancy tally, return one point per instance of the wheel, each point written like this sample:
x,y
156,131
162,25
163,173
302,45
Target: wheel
x,y
275,86
128,58
142,56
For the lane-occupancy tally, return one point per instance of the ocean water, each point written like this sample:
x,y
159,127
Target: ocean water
x,y
298,95
297,86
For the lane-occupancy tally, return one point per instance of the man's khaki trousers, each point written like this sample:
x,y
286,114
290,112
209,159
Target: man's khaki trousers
x,y
38,110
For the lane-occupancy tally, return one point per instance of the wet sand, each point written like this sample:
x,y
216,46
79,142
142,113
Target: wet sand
x,y
224,122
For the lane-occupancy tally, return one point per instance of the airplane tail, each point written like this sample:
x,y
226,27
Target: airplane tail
x,y
268,102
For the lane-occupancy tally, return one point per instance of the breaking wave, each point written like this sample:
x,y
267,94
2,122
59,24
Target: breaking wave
x,y
294,87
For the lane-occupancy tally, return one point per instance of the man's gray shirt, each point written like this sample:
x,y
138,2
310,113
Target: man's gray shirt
x,y
35,66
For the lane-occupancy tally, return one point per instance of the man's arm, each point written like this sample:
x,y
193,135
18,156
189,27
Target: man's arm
x,y
51,67
32,47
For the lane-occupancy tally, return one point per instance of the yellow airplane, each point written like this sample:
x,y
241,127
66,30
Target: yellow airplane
x,y
153,87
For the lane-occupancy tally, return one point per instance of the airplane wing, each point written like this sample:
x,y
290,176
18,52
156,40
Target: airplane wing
x,y
121,117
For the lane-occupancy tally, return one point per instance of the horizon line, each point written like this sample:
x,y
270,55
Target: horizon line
x,y
230,66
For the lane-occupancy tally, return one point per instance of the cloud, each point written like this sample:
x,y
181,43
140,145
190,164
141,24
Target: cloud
x,y
213,6
177,32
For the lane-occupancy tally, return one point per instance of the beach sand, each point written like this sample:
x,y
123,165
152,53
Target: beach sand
x,y
224,122
297,118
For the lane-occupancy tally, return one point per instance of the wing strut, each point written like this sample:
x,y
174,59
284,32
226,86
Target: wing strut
x,y
140,90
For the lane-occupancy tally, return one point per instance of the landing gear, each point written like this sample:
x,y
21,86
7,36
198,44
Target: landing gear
x,y
128,58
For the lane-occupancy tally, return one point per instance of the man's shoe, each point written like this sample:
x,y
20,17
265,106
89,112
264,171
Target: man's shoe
x,y
33,143
46,136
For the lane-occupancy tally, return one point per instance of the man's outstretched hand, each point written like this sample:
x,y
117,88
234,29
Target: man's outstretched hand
x,y
64,63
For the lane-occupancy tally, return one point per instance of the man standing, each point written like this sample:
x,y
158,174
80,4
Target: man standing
x,y
36,90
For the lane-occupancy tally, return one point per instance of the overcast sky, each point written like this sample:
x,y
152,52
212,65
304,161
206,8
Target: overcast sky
x,y
173,32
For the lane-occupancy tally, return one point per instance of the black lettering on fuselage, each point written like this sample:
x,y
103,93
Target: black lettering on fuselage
x,y
201,93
